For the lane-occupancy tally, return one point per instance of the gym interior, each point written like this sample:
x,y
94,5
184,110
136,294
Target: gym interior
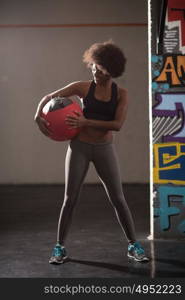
x,y
42,43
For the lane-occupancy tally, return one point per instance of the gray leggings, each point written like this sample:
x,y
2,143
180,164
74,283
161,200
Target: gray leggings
x,y
104,158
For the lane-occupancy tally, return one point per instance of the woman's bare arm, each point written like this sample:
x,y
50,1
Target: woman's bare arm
x,y
72,89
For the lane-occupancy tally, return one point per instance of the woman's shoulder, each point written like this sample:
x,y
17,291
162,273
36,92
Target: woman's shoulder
x,y
82,84
80,87
122,93
122,89
83,87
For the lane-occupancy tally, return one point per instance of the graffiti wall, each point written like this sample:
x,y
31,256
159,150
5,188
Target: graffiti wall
x,y
168,123
174,35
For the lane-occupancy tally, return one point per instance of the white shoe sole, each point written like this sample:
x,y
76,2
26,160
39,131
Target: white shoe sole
x,y
146,259
58,262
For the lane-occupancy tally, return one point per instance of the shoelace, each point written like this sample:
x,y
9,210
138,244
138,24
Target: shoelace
x,y
138,248
57,251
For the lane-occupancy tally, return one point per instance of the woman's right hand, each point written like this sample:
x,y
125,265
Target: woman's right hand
x,y
43,125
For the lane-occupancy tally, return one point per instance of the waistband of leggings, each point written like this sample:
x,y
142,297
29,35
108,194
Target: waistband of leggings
x,y
76,140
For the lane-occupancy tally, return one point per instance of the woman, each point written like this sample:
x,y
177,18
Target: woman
x,y
104,110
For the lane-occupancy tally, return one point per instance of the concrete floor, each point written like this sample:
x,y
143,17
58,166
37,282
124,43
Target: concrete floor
x,y
96,245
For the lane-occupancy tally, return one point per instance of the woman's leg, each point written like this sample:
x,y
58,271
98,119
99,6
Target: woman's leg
x,y
107,166
76,166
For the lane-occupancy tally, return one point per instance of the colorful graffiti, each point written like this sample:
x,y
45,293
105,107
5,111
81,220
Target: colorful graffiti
x,y
157,63
171,70
169,117
169,163
171,208
174,35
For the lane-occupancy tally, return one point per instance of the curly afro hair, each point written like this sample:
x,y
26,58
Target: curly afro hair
x,y
107,55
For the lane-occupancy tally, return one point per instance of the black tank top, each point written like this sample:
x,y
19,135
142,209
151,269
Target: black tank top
x,y
97,109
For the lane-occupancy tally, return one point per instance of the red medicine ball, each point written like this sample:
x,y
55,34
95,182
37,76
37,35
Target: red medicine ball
x,y
55,112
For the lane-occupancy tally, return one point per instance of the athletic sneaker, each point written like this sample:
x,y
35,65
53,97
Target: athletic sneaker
x,y
59,255
136,252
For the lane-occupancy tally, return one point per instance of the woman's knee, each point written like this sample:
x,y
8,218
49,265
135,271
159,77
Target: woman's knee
x,y
70,200
119,202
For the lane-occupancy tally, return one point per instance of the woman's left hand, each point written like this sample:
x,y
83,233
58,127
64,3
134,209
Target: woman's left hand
x,y
76,121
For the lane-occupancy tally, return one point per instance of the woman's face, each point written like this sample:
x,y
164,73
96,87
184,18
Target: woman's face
x,y
100,75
